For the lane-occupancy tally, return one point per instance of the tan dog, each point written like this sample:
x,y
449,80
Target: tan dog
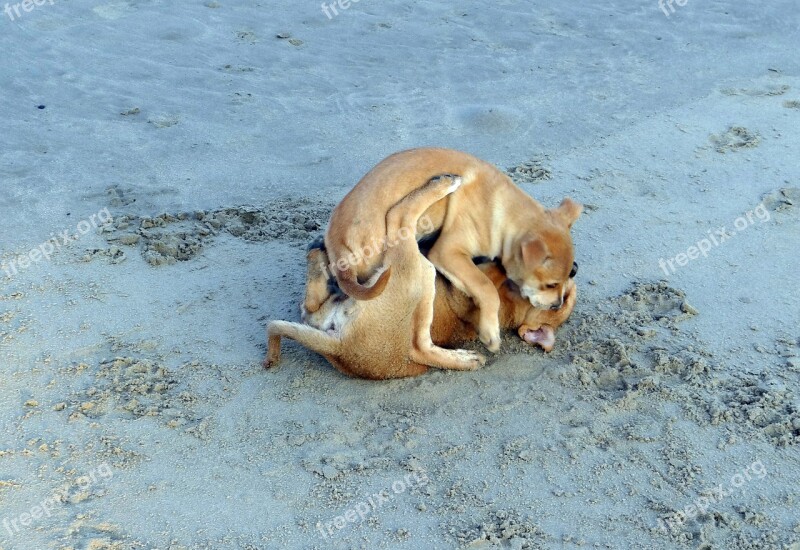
x,y
455,315
349,333
336,334
488,216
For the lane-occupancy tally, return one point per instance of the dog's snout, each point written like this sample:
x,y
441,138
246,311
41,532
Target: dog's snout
x,y
556,307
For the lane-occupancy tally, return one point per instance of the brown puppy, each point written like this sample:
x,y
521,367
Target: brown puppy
x,y
455,316
489,216
349,332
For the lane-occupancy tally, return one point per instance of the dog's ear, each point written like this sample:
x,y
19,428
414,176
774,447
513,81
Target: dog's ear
x,y
534,252
568,211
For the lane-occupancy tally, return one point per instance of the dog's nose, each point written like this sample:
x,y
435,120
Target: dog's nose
x,y
556,307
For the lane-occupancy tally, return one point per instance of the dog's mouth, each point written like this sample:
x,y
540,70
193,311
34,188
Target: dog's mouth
x,y
544,337
533,298
529,295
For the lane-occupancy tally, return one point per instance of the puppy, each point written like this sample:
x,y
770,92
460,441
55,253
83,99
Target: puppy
x,y
389,336
454,318
456,315
489,216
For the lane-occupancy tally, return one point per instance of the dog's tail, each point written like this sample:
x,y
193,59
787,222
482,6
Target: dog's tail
x,y
310,337
349,284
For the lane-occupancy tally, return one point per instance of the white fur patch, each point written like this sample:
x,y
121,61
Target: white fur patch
x,y
332,316
457,181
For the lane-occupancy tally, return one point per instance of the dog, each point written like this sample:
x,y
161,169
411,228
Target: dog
x,y
455,315
488,216
362,338
347,329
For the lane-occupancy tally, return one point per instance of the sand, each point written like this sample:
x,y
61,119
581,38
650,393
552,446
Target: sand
x,y
217,137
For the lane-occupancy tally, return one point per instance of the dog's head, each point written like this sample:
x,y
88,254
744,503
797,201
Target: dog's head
x,y
554,318
317,280
325,306
545,258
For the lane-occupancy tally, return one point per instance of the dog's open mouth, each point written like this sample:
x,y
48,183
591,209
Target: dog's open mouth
x,y
544,337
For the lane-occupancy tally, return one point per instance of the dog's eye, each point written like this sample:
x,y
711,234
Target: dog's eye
x,y
551,286
574,270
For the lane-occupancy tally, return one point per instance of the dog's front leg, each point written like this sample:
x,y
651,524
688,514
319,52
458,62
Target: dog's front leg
x,y
465,276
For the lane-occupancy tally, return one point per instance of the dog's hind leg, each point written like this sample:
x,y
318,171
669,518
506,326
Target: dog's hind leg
x,y
310,337
405,215
423,350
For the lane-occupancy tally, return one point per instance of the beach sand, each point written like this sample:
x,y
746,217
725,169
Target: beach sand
x,y
217,136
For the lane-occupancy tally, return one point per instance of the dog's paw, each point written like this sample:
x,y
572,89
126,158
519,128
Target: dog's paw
x,y
491,340
479,360
270,362
470,359
456,183
454,180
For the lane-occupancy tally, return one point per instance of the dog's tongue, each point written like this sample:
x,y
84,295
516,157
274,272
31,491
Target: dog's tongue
x,y
544,337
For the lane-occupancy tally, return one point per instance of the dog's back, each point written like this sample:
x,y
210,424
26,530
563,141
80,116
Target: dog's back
x,y
372,339
354,229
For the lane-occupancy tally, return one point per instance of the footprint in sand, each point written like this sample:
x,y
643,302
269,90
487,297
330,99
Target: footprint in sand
x,y
529,172
246,36
735,138
167,239
758,92
782,200
164,121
